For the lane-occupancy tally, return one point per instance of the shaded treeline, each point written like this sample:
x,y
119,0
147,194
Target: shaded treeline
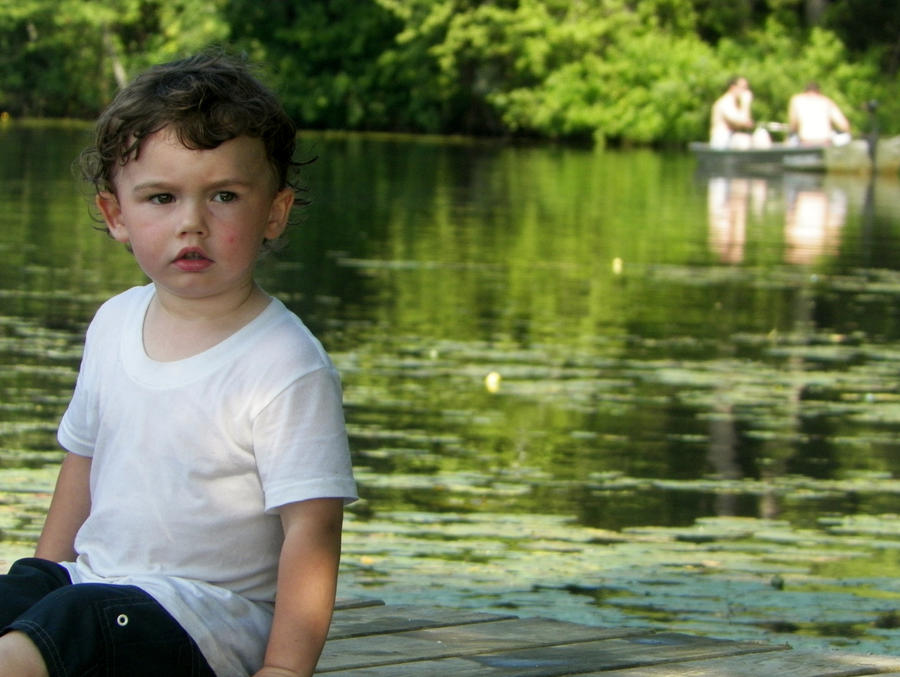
x,y
624,71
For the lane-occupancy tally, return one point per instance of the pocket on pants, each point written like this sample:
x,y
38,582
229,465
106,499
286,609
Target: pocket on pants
x,y
143,640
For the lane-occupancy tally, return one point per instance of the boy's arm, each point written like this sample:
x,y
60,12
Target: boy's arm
x,y
307,581
69,507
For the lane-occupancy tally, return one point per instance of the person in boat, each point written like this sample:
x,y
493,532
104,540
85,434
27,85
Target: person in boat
x,y
816,120
731,121
207,460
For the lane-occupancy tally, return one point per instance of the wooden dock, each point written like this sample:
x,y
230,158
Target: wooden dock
x,y
369,639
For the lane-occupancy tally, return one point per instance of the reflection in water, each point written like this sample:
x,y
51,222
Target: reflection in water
x,y
728,202
813,215
723,455
812,218
649,395
813,223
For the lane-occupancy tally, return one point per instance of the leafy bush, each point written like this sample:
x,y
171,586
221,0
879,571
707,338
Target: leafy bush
x,y
610,71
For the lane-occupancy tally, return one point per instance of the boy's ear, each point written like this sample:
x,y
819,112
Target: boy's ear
x,y
279,212
108,205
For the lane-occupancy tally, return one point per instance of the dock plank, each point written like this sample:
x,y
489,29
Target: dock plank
x,y
380,620
356,603
525,647
455,640
781,664
369,639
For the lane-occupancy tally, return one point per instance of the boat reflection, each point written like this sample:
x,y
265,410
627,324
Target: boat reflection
x,y
797,219
814,219
728,201
812,214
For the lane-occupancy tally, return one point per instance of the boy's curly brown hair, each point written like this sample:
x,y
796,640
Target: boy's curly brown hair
x,y
205,99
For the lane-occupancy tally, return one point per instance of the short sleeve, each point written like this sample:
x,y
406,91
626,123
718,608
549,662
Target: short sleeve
x,y
77,430
300,442
80,423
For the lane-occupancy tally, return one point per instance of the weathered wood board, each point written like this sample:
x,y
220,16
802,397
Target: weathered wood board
x,y
368,639
777,664
375,620
472,639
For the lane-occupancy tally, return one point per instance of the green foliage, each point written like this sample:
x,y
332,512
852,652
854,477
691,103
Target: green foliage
x,y
612,70
868,27
717,20
642,91
324,56
65,57
618,71
778,66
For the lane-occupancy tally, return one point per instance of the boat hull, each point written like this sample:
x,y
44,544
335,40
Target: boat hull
x,y
855,157
775,158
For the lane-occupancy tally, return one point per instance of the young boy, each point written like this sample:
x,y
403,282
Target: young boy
x,y
208,461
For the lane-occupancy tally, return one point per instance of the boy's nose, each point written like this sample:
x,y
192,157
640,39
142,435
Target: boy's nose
x,y
192,221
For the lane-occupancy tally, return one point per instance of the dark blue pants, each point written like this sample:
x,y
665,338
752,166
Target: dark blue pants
x,y
94,630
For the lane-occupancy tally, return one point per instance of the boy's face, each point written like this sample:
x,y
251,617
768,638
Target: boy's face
x,y
196,219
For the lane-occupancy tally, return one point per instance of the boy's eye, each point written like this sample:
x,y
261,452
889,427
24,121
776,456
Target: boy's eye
x,y
161,198
225,196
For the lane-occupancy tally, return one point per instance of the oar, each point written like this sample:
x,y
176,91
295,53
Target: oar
x,y
776,127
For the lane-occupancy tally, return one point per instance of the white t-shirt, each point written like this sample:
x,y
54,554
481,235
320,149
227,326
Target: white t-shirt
x,y
191,460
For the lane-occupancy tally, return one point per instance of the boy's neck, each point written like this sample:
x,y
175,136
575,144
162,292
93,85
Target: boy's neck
x,y
177,328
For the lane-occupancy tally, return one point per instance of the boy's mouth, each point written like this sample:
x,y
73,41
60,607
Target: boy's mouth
x,y
192,259
191,254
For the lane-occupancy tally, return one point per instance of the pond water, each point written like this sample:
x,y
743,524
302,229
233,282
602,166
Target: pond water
x,y
594,386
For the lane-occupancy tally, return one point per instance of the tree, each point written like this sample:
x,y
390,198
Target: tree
x,y
868,26
630,71
324,58
65,58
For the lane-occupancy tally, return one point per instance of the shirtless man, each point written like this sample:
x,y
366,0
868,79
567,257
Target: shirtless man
x,y
731,122
813,119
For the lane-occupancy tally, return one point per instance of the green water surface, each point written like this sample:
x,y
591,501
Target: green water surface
x,y
594,386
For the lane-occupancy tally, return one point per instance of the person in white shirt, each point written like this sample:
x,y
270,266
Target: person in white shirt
x,y
208,462
814,119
